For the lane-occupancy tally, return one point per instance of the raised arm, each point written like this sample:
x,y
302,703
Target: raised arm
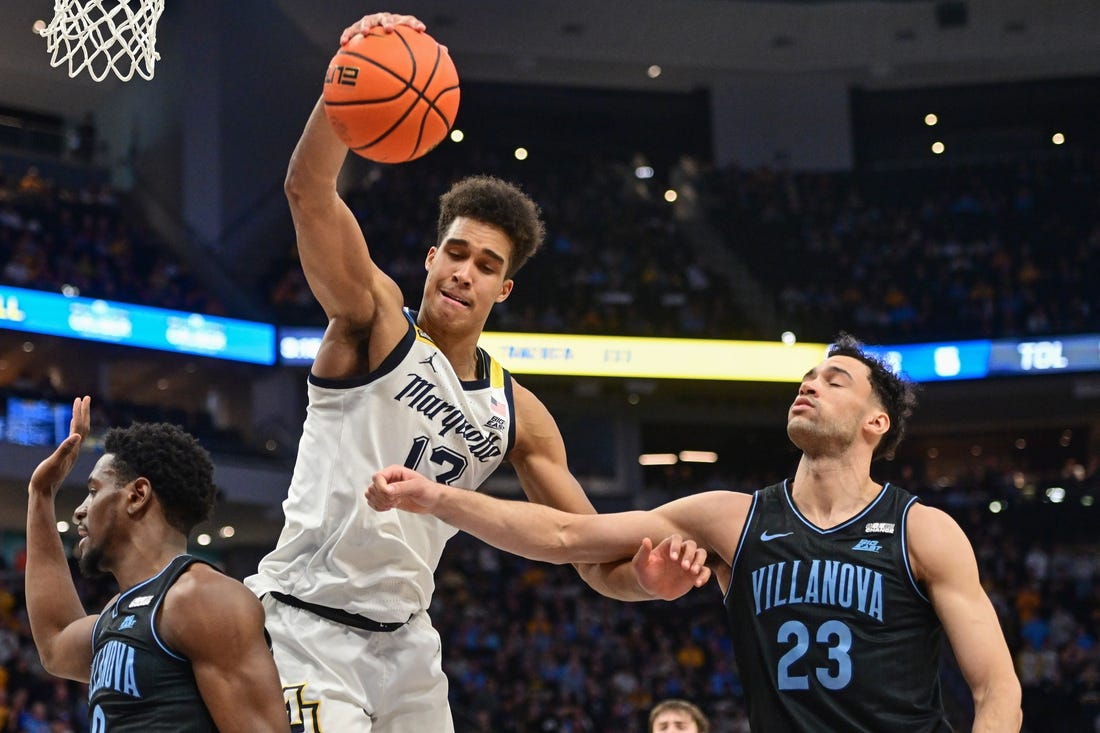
x,y
360,300
215,622
539,458
944,561
61,628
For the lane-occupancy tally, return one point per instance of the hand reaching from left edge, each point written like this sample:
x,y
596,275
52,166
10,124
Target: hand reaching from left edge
x,y
51,472
672,568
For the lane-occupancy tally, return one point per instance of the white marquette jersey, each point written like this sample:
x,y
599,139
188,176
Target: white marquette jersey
x,y
334,549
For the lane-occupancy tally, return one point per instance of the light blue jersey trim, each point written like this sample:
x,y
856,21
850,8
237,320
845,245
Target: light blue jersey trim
x,y
741,539
905,549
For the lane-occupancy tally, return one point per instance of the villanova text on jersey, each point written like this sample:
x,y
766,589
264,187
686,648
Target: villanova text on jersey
x,y
137,684
113,669
823,582
830,631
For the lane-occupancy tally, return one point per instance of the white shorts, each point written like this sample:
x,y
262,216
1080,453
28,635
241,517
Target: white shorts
x,y
339,679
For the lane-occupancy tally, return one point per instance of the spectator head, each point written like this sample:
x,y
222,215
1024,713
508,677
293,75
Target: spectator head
x,y
677,716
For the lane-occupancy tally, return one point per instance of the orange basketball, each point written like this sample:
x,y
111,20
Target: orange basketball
x,y
391,97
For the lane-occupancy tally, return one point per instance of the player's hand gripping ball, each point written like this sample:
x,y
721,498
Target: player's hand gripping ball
x,y
391,97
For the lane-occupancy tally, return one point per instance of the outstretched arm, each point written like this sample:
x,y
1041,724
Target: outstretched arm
x,y
944,561
543,533
218,624
62,630
539,458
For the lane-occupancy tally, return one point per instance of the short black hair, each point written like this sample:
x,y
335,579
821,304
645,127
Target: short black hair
x,y
897,394
490,200
177,467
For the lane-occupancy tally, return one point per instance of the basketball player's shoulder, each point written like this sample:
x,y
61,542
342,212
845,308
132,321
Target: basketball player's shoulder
x,y
200,582
527,404
935,539
201,598
928,521
771,497
714,514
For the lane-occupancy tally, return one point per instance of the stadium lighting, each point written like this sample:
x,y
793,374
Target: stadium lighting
x,y
698,456
657,459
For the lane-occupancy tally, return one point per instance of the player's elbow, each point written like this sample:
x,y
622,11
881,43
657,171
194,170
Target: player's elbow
x,y
50,663
53,661
303,187
295,186
1002,697
1014,702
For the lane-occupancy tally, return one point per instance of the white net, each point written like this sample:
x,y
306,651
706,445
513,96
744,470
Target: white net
x,y
102,36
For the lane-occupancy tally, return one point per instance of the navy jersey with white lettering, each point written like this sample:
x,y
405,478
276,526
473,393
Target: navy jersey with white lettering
x,y
137,682
830,630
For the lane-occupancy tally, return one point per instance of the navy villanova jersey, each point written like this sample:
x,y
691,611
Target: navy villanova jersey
x,y
138,683
830,631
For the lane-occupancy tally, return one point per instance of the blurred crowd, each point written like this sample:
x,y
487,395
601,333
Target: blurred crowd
x,y
995,250
81,241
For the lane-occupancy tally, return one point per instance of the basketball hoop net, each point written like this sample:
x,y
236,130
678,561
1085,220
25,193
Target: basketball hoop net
x,y
118,38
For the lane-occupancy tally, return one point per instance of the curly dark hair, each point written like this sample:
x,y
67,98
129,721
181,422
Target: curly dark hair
x,y
178,468
502,204
896,393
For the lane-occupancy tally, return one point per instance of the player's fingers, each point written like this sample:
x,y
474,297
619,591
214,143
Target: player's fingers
x,y
698,560
702,578
643,550
675,543
69,446
378,496
687,552
411,21
83,416
362,26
